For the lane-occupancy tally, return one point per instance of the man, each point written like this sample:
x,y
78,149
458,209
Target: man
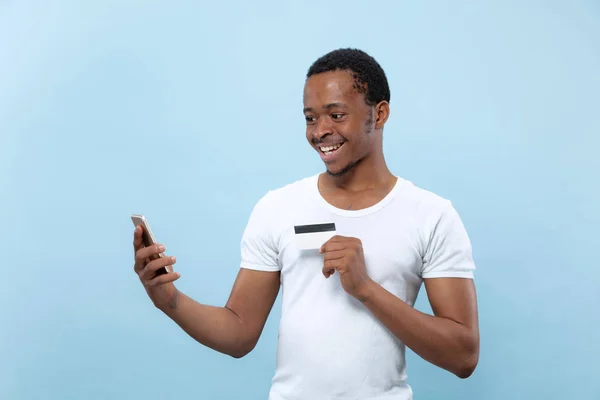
x,y
347,307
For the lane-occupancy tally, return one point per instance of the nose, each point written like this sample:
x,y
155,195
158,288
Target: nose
x,y
322,129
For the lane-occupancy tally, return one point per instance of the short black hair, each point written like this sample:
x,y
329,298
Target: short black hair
x,y
369,77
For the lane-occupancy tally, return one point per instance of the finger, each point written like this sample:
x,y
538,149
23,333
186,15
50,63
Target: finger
x,y
137,238
329,268
149,272
339,238
331,246
138,243
162,279
141,264
342,239
150,252
334,255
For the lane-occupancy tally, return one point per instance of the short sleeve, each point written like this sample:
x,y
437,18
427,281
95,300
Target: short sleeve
x,y
258,248
448,253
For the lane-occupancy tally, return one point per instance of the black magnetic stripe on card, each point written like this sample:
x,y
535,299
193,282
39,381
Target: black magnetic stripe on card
x,y
299,229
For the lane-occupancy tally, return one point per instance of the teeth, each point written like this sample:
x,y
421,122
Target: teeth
x,y
329,149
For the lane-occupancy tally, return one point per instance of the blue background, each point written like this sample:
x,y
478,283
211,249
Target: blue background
x,y
189,112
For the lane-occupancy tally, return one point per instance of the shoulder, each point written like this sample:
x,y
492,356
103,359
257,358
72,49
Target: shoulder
x,y
430,215
443,242
423,203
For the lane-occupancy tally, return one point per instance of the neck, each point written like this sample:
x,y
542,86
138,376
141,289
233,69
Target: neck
x,y
369,173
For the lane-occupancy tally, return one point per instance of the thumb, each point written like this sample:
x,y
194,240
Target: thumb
x,y
137,237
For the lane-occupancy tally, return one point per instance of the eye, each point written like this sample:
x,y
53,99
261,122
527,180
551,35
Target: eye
x,y
309,119
337,116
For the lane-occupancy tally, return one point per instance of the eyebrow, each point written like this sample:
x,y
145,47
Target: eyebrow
x,y
327,107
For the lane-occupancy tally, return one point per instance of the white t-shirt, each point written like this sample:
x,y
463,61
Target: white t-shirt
x,y
330,346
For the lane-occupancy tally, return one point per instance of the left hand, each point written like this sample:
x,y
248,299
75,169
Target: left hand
x,y
345,255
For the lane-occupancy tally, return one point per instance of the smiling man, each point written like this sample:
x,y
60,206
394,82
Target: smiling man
x,y
347,306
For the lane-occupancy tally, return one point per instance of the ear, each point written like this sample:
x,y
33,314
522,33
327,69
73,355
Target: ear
x,y
382,113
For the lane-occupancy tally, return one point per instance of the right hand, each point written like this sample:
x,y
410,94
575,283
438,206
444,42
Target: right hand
x,y
160,289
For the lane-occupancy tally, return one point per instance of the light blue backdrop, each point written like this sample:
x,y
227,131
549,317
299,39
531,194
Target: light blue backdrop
x,y
189,112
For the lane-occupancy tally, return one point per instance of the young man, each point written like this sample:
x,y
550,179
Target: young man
x,y
347,306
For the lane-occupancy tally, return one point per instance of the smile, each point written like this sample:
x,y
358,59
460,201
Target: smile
x,y
327,150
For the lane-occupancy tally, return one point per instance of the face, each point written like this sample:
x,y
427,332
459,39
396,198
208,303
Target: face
x,y
340,125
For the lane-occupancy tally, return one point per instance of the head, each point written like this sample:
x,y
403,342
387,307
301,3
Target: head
x,y
346,104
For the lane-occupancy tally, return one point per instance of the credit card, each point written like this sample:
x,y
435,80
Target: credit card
x,y
312,237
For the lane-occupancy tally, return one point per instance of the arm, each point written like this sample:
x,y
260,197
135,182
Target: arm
x,y
235,328
449,338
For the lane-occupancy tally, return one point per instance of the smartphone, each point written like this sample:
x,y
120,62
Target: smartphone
x,y
148,237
